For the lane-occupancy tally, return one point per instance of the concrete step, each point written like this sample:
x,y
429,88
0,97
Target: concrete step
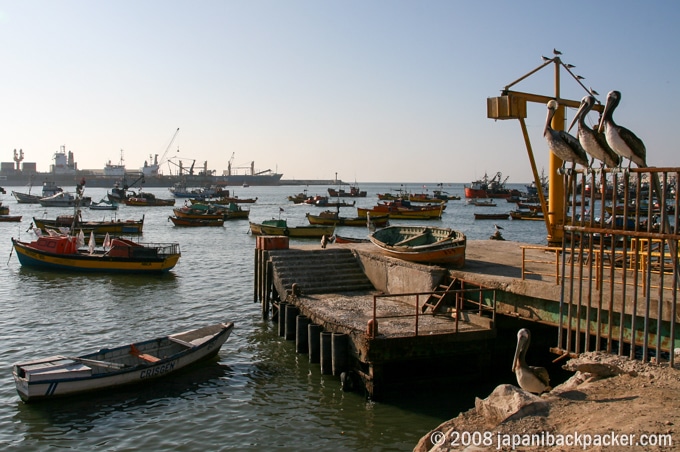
x,y
322,271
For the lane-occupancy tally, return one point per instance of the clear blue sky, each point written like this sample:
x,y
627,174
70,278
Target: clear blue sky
x,y
377,91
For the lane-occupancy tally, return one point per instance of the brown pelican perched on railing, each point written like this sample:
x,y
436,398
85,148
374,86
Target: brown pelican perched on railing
x,y
530,378
621,140
592,141
628,145
563,145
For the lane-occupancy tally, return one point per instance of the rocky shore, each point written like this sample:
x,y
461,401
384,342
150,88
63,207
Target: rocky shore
x,y
611,403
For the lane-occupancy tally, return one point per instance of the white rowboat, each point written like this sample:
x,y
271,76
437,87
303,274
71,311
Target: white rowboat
x,y
109,368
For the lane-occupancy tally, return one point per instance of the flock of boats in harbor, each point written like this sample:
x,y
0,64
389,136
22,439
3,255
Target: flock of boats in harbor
x,y
61,245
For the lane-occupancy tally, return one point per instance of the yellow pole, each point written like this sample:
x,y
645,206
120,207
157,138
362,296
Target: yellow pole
x,y
539,185
555,180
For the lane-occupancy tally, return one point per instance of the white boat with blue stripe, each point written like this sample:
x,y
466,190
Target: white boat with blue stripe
x,y
108,369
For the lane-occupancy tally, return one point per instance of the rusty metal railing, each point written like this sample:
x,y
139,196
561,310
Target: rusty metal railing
x,y
619,263
466,300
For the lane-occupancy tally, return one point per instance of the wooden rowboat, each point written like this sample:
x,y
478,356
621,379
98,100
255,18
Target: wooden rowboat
x,y
404,210
109,368
197,222
280,227
530,215
422,244
492,216
10,218
342,239
195,213
330,218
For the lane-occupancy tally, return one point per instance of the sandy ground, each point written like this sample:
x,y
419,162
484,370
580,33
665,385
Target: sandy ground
x,y
626,412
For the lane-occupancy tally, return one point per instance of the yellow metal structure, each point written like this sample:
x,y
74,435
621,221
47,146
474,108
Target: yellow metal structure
x,y
513,105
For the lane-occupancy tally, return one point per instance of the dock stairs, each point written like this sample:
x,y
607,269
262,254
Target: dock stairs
x,y
444,292
318,271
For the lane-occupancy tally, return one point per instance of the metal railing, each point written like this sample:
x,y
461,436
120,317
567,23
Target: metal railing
x,y
467,300
618,266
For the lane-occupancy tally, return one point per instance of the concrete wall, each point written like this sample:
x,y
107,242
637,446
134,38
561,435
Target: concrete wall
x,y
396,276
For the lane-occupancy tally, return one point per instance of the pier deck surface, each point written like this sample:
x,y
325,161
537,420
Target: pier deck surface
x,y
350,312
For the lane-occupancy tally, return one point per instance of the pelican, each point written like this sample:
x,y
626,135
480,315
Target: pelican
x,y
530,378
621,140
592,141
563,145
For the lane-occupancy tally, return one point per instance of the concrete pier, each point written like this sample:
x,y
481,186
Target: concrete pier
x,y
344,291
407,321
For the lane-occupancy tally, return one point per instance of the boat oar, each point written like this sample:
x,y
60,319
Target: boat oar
x,y
95,362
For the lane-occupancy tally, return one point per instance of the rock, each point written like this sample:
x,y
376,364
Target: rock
x,y
508,402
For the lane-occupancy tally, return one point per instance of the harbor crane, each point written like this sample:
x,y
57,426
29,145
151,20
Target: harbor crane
x,y
155,162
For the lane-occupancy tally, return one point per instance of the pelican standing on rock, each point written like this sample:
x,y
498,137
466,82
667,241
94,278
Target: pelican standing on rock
x,y
592,141
621,140
530,378
563,145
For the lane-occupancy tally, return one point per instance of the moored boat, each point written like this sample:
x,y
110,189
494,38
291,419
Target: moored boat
x,y
96,227
10,218
48,189
492,216
343,239
526,215
64,199
62,252
422,244
280,227
354,192
488,203
324,201
333,218
104,204
180,190
110,368
299,198
440,194
147,199
197,222
233,199
233,211
404,210
490,188
197,212
424,197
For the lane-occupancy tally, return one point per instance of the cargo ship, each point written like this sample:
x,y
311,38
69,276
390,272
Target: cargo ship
x,y
65,172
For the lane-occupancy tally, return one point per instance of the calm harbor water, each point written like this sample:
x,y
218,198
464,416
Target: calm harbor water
x,y
259,393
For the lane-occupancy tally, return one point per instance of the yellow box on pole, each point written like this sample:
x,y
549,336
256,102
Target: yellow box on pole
x,y
506,107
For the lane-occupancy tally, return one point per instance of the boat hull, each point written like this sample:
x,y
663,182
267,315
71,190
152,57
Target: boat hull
x,y
298,231
30,256
111,368
378,221
97,227
10,218
422,244
25,198
145,202
397,214
196,222
492,216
